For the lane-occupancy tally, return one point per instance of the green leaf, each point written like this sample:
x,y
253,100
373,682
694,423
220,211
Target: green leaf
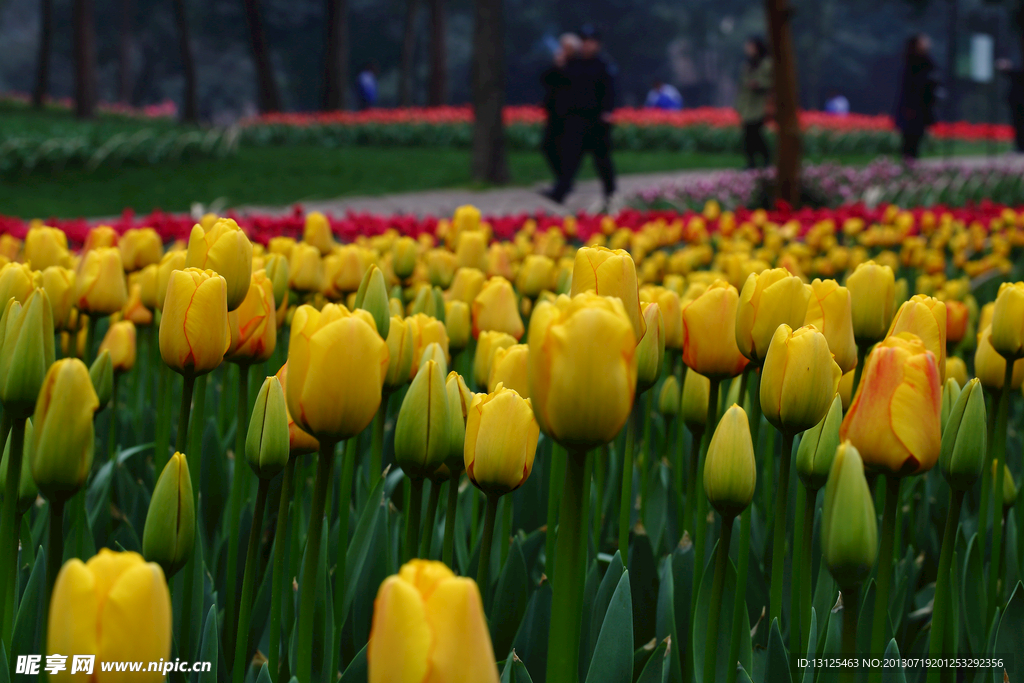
x,y
812,645
973,595
893,674
5,668
356,671
657,668
264,676
825,595
777,668
643,582
599,606
515,671
531,642
655,506
1011,628
27,638
665,620
210,648
615,643
724,635
509,600
359,546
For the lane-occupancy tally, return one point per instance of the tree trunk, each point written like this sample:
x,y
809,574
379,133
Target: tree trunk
x,y
42,84
786,98
190,99
951,32
268,97
336,57
490,163
124,75
405,75
85,58
438,54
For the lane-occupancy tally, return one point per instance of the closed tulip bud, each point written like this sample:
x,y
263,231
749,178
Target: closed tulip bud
x,y
456,316
434,352
872,297
668,398
849,530
956,369
45,247
172,261
27,491
100,287
950,393
400,349
466,285
846,390
957,320
140,247
441,265
403,257
59,284
925,317
582,391
253,325
101,373
62,435
333,395
495,309
818,447
101,236
985,315
693,407
299,442
170,530
650,352
501,441
509,367
267,443
799,379
471,250
27,352
425,303
671,311
990,367
459,400
317,232
425,331
120,342
895,418
609,273
305,269
421,431
768,300
276,266
830,310
709,332
1009,488
194,329
1008,321
429,625
730,472
226,250
117,607
488,343
965,438
16,280
133,309
372,296
535,275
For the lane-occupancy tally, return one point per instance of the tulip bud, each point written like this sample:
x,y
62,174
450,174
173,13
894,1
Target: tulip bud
x,y
957,320
148,281
459,400
709,332
120,342
535,275
400,349
133,309
101,374
849,530
1009,488
403,257
441,265
872,297
172,261
730,472
950,393
830,311
1008,321
495,309
668,398
45,247
253,325
16,280
818,446
425,303
62,437
609,273
799,379
964,439
226,250
693,407
100,287
501,441
510,367
471,250
650,352
276,266
317,232
990,367
486,345
924,316
456,315
426,330
396,308
434,352
305,268
194,329
100,236
140,247
373,297
170,530
769,299
27,491
468,282
421,431
27,352
59,284
267,444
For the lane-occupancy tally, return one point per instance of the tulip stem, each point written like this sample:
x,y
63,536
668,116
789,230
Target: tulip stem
x,y
626,501
986,472
805,579
941,604
163,432
779,540
348,467
8,533
885,552
248,583
448,549
795,578
181,440
427,537
235,506
995,568
54,552
377,443
307,598
851,599
696,437
483,566
412,519
700,519
556,472
740,601
567,593
277,577
717,587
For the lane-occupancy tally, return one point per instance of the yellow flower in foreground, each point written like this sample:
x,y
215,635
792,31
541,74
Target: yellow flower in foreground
x,y
990,367
925,317
226,250
1008,320
709,332
799,379
829,310
609,273
194,332
872,296
769,299
501,441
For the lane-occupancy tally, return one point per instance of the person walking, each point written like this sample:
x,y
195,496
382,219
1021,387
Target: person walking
x,y
752,100
588,120
1014,98
556,96
915,108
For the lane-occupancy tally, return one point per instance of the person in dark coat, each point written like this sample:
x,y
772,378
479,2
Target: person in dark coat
x,y
915,109
587,129
556,95
752,100
1015,98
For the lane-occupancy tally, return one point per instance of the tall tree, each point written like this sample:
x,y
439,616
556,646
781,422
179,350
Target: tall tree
x,y
336,57
780,15
190,99
124,56
438,92
42,84
83,21
268,97
490,162
408,53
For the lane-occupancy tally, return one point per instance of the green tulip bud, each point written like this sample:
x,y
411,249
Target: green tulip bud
x,y
668,399
425,302
457,322
950,392
818,447
434,352
964,439
650,351
276,266
62,436
459,399
102,375
28,351
404,252
266,444
421,431
438,295
1009,488
373,297
169,533
27,491
730,471
849,530
693,406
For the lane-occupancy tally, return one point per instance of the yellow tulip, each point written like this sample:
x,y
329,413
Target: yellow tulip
x,y
1008,320
59,284
986,314
650,351
671,311
990,367
120,342
117,607
709,332
16,280
486,347
669,397
343,271
100,236
441,265
582,391
140,247
299,442
501,441
194,330
172,261
535,275
829,310
422,426
426,331
730,472
254,324
134,309
769,299
45,247
429,627
509,368
873,299
499,261
305,269
956,369
693,408
281,245
400,349
609,273
799,379
471,251
317,232
957,319
456,320
467,283
495,308
226,250
846,389
894,420
925,317
100,286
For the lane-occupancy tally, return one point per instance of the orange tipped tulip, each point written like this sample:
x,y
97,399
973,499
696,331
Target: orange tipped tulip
x,y
709,332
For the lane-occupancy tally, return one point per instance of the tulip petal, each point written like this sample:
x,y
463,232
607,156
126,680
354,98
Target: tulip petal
x,y
135,624
73,611
462,651
400,637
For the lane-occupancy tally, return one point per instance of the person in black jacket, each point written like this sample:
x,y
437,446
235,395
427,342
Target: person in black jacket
x,y
556,91
1014,98
587,128
915,110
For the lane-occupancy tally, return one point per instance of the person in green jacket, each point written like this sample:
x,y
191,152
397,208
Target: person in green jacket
x,y
752,101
